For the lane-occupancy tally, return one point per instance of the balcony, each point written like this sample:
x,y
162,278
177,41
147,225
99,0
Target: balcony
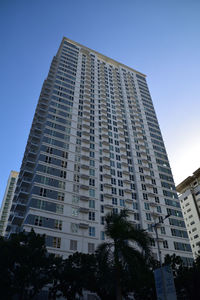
x,y
154,214
85,176
86,133
108,206
151,195
86,126
153,204
86,119
131,211
126,181
86,149
20,207
107,185
106,150
107,176
85,140
84,198
125,172
86,113
128,191
106,167
108,196
85,157
86,167
24,191
106,158
84,187
123,149
149,185
84,210
83,225
18,218
130,201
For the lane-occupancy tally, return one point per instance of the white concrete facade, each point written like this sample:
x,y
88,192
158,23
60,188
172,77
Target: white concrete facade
x,y
95,146
189,197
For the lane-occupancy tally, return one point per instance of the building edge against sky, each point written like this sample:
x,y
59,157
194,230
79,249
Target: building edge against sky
x,y
7,201
189,197
95,146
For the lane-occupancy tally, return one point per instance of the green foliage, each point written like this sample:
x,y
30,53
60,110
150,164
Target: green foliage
x,y
120,266
73,275
125,257
25,265
186,278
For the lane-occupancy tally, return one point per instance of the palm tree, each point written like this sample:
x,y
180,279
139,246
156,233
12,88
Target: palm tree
x,y
127,250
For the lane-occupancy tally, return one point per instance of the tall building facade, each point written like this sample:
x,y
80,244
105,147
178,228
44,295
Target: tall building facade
x,y
94,147
7,201
189,197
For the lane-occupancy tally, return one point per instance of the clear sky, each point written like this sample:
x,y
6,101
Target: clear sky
x,y
157,37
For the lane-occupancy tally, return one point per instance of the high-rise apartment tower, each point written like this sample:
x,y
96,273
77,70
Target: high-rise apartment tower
x,y
95,146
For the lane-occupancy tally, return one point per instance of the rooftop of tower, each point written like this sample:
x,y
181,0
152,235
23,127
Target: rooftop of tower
x,y
100,56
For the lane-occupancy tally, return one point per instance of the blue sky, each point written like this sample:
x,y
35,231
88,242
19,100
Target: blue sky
x,y
159,38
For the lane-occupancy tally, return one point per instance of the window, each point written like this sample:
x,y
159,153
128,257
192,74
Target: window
x,y
73,245
56,242
146,206
121,192
75,199
92,172
102,235
119,166
58,224
165,244
145,196
102,220
91,216
91,231
143,187
91,182
38,221
119,174
120,182
75,212
115,210
159,209
91,204
122,202
155,190
113,181
91,193
148,216
150,227
114,191
91,248
74,227
60,196
114,201
162,230
152,242
92,163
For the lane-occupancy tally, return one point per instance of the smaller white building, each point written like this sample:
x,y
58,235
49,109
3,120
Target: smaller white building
x,y
189,191
7,201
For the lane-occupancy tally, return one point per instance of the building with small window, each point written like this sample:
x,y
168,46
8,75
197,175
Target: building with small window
x,y
7,201
95,146
189,197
